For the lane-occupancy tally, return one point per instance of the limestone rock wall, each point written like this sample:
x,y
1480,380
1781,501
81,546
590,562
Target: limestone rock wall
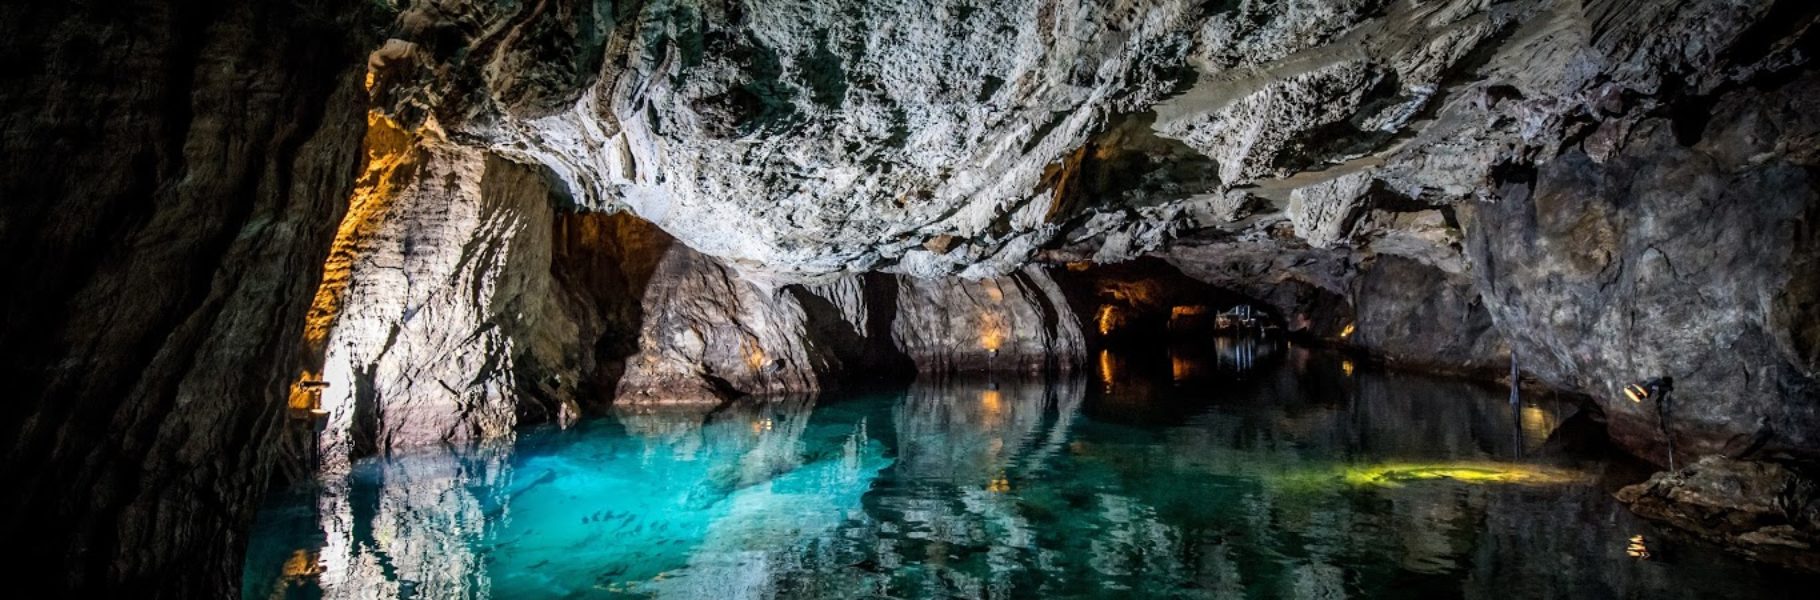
x,y
708,333
711,332
1612,189
1017,323
1670,256
423,349
173,176
1396,308
462,299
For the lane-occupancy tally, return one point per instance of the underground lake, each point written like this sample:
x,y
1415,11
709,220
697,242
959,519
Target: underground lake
x,y
1244,468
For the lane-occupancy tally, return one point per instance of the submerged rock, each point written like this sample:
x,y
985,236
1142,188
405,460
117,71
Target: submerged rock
x,y
1764,510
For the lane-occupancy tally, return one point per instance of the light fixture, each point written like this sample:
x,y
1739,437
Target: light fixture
x,y
1659,390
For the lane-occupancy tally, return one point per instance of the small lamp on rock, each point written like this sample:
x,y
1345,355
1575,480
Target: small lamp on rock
x,y
1658,390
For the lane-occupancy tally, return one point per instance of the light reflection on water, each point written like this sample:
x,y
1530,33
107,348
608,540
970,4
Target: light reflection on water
x,y
1240,470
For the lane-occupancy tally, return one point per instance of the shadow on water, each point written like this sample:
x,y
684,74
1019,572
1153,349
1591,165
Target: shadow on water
x,y
1236,468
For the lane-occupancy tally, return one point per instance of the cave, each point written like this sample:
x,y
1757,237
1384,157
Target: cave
x,y
911,298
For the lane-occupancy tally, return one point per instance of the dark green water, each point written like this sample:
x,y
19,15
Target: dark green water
x,y
1239,471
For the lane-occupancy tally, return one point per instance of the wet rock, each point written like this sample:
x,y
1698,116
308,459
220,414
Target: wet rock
x,y
711,332
1394,307
1671,259
173,177
1764,510
1016,323
461,301
417,353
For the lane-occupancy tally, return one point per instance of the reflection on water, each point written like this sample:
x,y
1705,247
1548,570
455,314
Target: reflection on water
x,y
1241,469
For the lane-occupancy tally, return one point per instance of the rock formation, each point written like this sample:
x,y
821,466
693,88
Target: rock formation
x,y
173,177
461,298
1609,190
1761,509
710,333
1345,162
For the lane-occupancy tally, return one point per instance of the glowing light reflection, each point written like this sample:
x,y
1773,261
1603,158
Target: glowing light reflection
x,y
1637,547
1399,474
1108,368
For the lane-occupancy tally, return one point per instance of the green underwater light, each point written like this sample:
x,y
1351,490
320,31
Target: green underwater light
x,y
1398,474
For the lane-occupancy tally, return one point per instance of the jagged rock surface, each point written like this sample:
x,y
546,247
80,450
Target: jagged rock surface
x,y
1348,149
711,332
1693,260
1541,165
173,176
1764,510
461,300
445,281
1017,323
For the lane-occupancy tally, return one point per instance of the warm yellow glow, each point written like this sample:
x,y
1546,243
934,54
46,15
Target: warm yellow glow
x,y
755,356
992,331
1635,392
390,154
1187,311
1346,367
989,399
999,484
1108,319
1398,474
302,563
1108,368
1536,423
306,392
1347,332
1079,265
1636,547
993,291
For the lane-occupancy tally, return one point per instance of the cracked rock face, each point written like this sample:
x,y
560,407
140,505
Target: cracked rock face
x,y
1763,510
1348,163
172,181
1689,260
815,137
460,301
446,277
710,333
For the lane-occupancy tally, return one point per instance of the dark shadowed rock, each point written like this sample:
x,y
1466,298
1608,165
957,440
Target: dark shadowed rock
x,y
1694,262
1761,509
173,176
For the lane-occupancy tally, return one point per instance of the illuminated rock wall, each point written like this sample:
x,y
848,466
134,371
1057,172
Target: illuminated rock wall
x,y
710,333
1341,161
459,302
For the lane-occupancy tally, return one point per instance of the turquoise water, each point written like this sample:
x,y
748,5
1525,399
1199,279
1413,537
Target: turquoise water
x,y
1242,470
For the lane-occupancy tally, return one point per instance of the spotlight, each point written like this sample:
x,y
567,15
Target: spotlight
x,y
1658,390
